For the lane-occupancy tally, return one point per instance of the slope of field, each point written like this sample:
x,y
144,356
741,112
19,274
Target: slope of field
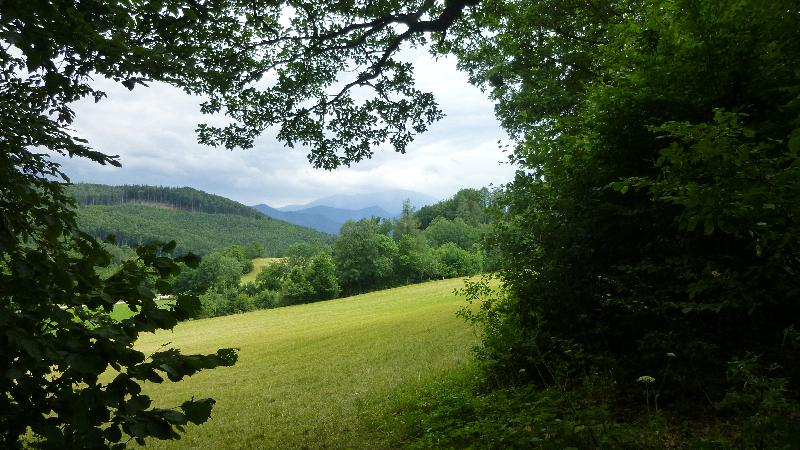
x,y
258,264
322,375
198,232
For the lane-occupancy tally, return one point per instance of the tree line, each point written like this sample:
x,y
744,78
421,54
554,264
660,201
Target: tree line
x,y
369,254
181,198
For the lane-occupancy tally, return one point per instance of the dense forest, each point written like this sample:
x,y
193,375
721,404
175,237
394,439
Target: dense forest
x,y
181,198
139,214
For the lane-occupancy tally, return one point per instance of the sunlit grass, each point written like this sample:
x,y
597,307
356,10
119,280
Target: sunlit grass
x,y
322,375
258,263
122,311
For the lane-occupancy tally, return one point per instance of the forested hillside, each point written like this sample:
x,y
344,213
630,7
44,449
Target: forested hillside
x,y
197,221
182,198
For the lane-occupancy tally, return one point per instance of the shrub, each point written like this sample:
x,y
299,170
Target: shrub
x,y
267,299
456,262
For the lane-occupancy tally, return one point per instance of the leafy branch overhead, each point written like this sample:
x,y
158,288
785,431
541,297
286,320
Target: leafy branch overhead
x,y
297,54
326,74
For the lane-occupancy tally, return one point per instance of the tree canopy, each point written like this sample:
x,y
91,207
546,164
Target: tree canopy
x,y
654,212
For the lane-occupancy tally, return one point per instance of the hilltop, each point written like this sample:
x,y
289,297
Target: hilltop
x,y
198,221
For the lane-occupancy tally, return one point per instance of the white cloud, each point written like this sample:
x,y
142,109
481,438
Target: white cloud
x,y
152,129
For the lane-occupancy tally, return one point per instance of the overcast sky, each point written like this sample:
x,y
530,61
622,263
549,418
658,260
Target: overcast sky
x,y
152,129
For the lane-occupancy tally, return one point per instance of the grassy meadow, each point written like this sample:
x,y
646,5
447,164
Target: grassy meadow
x,y
258,263
323,375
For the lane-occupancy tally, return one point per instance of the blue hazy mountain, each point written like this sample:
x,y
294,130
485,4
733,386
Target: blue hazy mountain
x,y
323,218
389,201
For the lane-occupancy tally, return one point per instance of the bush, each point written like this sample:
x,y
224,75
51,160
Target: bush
x,y
212,304
271,276
457,413
457,262
225,301
321,275
267,299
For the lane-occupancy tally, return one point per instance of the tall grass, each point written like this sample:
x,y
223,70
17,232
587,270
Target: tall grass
x,y
321,375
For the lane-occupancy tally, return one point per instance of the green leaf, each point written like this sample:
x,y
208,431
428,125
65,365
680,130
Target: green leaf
x,y
198,411
169,247
187,306
190,259
113,433
137,404
160,429
173,417
794,141
708,227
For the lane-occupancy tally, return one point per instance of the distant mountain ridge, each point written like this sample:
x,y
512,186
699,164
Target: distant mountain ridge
x,y
390,201
322,218
315,221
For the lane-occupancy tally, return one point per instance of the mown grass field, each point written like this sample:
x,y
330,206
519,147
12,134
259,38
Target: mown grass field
x,y
258,263
122,311
323,375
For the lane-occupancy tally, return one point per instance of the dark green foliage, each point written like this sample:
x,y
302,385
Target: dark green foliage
x,y
416,260
301,279
300,252
218,270
295,287
183,198
227,300
238,253
368,259
364,256
455,416
217,280
321,275
407,223
58,339
457,262
57,334
196,231
267,299
442,231
464,221
271,276
296,279
254,250
469,205
760,397
655,212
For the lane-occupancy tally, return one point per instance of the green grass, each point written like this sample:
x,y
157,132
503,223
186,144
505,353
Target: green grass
x,y
324,375
122,311
258,263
